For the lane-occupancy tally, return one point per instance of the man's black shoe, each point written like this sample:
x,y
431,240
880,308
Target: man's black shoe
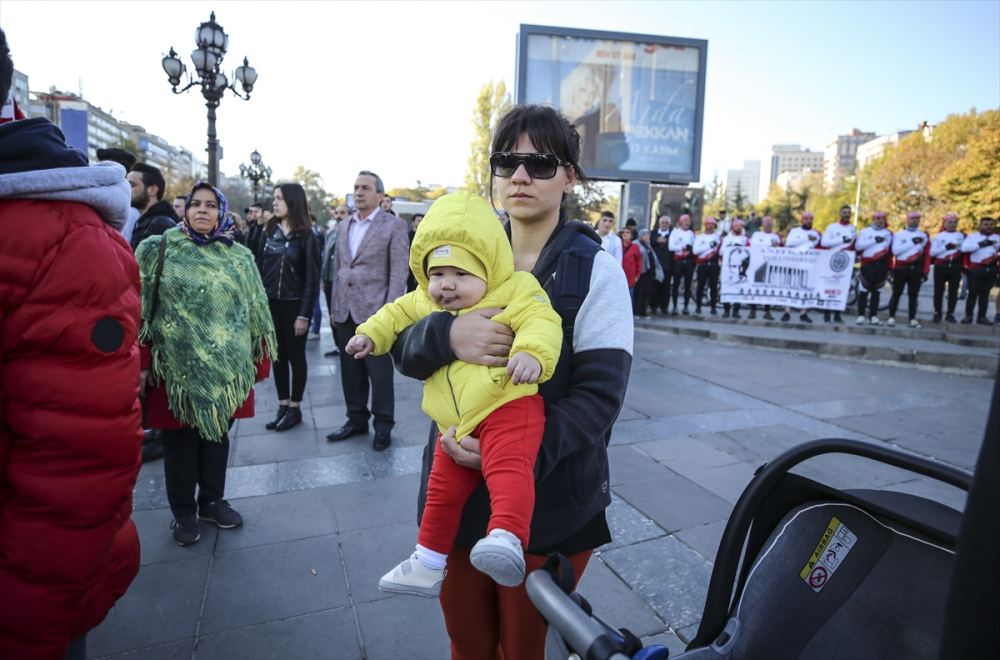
x,y
967,320
804,318
725,314
221,514
837,319
826,317
291,419
685,311
185,529
277,418
382,440
713,312
152,445
951,318
753,314
335,351
982,320
674,313
345,432
697,310
767,315
786,317
736,314
937,317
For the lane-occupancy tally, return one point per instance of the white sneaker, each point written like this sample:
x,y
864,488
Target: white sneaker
x,y
410,577
313,335
500,556
861,320
914,323
874,321
891,322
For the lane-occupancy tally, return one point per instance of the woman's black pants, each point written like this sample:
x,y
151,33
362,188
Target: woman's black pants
x,y
189,460
291,350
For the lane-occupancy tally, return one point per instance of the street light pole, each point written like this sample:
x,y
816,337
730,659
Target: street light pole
x,y
256,173
213,42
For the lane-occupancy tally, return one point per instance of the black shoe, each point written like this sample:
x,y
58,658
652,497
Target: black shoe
x,y
277,418
736,314
786,317
152,445
674,313
713,312
936,318
725,314
697,311
826,317
186,530
967,320
382,440
804,318
332,353
291,419
345,432
685,311
837,319
951,319
982,320
221,514
768,316
752,315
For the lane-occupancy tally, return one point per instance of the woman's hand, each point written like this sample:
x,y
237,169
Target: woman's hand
x,y
145,378
477,339
465,454
301,326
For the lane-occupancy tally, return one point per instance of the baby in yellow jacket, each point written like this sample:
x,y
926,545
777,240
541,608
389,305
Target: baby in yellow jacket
x,y
462,260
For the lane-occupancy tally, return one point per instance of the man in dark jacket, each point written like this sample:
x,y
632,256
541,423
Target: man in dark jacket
x,y
69,304
147,196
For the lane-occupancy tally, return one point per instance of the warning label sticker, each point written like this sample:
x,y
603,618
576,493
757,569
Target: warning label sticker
x,y
833,548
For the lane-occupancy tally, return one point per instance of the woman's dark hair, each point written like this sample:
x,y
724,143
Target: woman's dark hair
x,y
548,131
298,210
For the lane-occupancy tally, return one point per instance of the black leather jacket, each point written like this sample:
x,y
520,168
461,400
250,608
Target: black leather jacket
x,y
289,268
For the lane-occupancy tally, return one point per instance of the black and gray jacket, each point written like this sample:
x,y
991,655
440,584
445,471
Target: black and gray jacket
x,y
159,218
582,399
289,268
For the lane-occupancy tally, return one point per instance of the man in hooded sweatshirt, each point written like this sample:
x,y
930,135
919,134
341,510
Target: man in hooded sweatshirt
x,y
70,423
463,262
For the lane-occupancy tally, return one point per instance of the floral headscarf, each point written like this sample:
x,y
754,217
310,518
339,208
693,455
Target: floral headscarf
x,y
223,231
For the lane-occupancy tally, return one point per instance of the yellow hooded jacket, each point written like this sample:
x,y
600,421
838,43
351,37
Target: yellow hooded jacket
x,y
462,394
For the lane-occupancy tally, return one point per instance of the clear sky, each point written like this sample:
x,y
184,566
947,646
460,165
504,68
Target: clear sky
x,y
390,86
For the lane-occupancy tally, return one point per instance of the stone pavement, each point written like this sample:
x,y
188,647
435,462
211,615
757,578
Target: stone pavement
x,y
324,521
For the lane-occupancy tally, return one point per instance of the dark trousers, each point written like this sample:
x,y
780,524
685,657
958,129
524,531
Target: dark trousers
x,y
683,268
980,282
911,278
328,292
708,273
952,276
661,295
355,376
188,461
873,277
291,350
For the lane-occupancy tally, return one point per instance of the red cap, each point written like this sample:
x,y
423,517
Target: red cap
x,y
738,223
710,220
683,216
915,214
878,214
807,216
950,216
766,217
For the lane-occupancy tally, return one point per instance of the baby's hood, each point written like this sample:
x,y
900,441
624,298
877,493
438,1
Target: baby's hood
x,y
467,221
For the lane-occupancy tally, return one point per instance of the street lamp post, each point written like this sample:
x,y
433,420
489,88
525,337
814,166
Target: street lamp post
x,y
213,42
257,172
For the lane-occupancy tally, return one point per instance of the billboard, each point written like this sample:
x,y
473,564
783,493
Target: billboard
x,y
637,100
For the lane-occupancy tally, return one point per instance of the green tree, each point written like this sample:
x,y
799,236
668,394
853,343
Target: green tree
x,y
312,183
491,104
971,186
417,194
127,145
715,197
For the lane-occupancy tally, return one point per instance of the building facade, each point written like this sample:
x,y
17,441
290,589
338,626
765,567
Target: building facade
x,y
746,181
874,149
788,158
20,92
839,157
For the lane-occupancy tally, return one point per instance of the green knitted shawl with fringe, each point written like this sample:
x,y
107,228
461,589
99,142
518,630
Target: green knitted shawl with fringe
x,y
212,325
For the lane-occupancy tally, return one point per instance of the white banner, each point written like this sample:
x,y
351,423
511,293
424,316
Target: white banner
x,y
759,275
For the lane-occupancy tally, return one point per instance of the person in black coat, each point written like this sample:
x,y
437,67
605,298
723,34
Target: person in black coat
x,y
147,196
289,260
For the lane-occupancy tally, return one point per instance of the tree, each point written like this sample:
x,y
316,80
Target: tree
x,y
971,186
715,197
493,101
739,199
417,194
127,145
312,183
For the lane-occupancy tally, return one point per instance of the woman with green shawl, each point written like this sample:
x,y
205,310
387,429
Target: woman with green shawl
x,y
206,337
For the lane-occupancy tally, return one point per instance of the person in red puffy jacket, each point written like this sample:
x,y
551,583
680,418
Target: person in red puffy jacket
x,y
70,423
631,259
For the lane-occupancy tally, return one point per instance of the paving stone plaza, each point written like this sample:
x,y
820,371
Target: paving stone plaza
x,y
325,520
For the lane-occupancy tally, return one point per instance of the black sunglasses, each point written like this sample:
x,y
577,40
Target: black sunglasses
x,y
538,166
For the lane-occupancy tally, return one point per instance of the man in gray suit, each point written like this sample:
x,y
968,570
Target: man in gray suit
x,y
370,265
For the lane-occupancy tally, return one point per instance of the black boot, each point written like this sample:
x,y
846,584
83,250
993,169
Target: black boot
x,y
950,319
725,313
836,318
767,315
804,318
270,426
291,419
753,314
937,317
152,445
786,317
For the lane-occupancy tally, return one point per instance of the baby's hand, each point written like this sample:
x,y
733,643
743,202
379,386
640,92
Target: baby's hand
x,y
360,346
522,368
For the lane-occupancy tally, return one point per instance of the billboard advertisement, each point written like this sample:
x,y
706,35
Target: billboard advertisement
x,y
635,99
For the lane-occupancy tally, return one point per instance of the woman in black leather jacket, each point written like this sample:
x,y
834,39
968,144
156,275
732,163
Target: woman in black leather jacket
x,y
289,267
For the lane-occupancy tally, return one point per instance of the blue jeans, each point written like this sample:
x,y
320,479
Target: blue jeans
x,y
317,319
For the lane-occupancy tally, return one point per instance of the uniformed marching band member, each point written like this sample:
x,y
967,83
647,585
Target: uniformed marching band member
x,y
706,258
980,249
765,237
803,237
836,237
911,263
874,244
736,237
680,243
946,254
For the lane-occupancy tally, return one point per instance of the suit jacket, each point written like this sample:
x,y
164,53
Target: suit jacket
x,y
329,247
376,275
